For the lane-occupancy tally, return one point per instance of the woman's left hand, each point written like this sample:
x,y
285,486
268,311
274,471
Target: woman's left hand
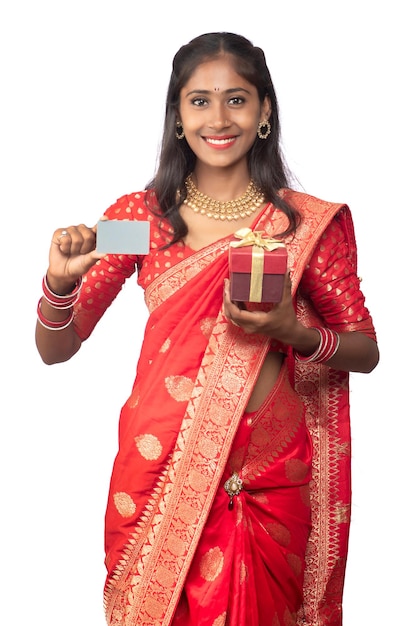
x,y
279,322
356,353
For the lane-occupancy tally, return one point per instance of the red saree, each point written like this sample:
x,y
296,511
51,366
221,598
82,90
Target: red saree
x,y
175,552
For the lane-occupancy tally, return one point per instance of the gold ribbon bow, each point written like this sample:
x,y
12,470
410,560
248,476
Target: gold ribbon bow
x,y
248,237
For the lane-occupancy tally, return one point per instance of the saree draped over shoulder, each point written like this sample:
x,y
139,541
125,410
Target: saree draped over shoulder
x,y
217,516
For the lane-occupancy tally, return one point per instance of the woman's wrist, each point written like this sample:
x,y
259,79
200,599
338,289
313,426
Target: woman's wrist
x,y
327,345
55,319
56,311
58,287
305,340
302,339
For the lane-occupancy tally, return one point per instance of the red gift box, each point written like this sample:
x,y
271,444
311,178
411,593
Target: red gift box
x,y
257,267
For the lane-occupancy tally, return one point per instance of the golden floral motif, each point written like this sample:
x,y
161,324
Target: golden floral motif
x,y
218,414
153,607
149,446
187,513
179,387
260,496
305,494
197,481
208,448
166,345
211,564
221,620
307,388
124,504
260,437
176,545
295,563
231,382
206,326
243,351
279,532
165,577
133,399
296,470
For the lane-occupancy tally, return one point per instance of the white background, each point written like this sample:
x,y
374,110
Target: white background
x,y
83,86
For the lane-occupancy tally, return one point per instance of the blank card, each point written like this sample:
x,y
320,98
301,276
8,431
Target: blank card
x,y
123,237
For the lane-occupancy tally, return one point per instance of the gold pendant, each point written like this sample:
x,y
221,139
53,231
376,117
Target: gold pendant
x,y
233,487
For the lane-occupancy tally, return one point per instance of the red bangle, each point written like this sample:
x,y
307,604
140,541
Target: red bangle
x,y
61,302
328,345
49,325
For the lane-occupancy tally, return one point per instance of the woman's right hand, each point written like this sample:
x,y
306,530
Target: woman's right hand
x,y
72,253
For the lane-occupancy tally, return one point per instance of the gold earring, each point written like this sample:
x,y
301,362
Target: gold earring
x,y
264,129
179,130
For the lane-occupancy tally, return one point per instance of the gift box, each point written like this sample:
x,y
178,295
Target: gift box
x,y
257,267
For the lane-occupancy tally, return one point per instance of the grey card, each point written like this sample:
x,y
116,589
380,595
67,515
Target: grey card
x,y
123,237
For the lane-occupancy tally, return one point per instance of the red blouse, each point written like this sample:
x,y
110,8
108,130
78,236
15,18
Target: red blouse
x,y
329,280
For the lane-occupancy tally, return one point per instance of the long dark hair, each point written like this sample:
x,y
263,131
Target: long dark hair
x,y
265,160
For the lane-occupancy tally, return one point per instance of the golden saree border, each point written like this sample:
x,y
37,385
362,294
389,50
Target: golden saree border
x,y
179,275
324,392
147,583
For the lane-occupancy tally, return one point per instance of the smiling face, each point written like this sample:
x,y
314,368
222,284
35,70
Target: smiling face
x,y
220,112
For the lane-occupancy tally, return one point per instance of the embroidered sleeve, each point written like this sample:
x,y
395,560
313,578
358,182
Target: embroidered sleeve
x,y
100,287
331,283
105,279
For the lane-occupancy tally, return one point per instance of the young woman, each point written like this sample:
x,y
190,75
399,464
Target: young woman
x,y
229,500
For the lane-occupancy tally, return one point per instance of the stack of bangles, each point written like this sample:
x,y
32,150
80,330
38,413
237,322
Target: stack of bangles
x,y
58,302
328,345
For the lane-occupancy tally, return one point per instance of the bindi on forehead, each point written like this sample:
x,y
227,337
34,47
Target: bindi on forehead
x,y
216,89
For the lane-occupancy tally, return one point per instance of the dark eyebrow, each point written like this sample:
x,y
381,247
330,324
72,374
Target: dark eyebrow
x,y
207,92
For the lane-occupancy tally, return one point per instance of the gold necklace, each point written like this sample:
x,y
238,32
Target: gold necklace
x,y
243,206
